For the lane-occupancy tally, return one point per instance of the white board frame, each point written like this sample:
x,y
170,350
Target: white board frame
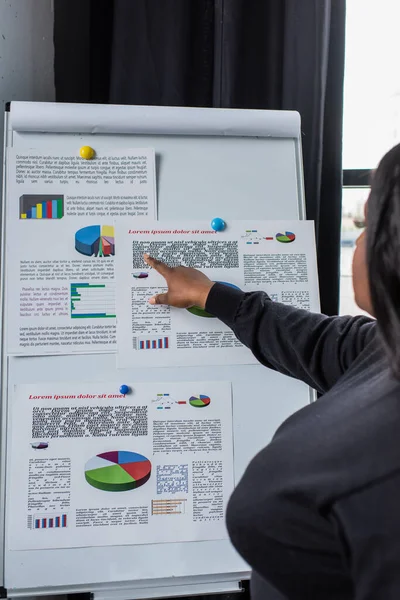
x,y
31,124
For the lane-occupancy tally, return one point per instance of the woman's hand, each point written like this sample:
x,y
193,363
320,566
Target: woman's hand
x,y
186,287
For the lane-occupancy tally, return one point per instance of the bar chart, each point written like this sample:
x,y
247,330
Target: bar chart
x,y
50,521
39,206
168,507
92,301
155,342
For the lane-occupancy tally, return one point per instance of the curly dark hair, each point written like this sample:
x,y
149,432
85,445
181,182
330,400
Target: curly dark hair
x,y
383,252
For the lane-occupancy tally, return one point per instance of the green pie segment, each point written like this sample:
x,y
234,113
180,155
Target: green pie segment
x,y
285,238
199,401
199,312
117,471
110,479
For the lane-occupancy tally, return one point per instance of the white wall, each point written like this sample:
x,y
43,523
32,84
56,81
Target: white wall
x,y
26,53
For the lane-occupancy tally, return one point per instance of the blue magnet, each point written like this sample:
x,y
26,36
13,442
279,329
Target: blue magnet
x,y
218,224
124,389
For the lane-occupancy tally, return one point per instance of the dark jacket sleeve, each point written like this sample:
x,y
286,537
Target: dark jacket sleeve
x,y
308,346
368,523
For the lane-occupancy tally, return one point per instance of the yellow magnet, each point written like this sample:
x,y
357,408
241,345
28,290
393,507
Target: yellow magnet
x,y
86,152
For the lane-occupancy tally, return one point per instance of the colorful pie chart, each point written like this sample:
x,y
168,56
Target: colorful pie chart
x,y
200,312
117,471
40,445
95,240
199,401
232,285
285,238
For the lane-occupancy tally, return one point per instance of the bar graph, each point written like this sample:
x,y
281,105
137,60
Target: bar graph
x,y
168,506
50,521
155,342
92,301
39,206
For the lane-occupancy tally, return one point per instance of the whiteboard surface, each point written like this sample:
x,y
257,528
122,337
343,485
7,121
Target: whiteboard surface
x,y
102,118
198,177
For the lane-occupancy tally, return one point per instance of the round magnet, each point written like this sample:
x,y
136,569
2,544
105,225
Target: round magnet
x,y
86,152
124,389
218,224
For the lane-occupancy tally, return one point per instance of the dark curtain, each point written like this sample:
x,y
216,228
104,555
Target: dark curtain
x,y
268,54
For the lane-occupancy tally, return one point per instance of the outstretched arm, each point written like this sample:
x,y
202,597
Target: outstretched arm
x,y
311,347
308,346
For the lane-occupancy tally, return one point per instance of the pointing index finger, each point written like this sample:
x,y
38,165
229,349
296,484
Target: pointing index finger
x,y
157,265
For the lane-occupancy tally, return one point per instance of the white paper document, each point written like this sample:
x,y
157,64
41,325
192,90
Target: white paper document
x,y
277,257
61,245
91,467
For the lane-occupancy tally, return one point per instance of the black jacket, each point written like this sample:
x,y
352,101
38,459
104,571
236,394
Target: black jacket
x,y
317,513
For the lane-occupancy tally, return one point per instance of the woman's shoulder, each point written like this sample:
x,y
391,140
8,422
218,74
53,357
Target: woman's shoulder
x,y
367,446
347,438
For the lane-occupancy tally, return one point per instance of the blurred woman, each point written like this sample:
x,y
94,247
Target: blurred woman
x,y
317,512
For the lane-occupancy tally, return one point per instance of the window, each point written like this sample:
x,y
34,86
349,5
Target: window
x,y
371,123
353,200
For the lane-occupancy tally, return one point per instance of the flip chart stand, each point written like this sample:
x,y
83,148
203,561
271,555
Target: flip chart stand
x,y
240,164
223,589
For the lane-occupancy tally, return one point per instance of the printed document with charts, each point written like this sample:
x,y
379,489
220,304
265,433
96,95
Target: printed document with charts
x,y
277,257
61,245
91,467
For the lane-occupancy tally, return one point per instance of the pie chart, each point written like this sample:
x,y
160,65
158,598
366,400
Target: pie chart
x,y
117,471
95,240
40,445
285,238
232,285
200,312
199,401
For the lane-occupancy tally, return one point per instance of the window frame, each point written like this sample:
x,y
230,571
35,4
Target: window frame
x,y
357,178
